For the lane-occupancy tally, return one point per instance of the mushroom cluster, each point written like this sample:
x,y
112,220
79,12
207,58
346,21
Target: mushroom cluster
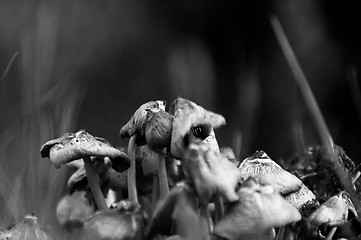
x,y
174,182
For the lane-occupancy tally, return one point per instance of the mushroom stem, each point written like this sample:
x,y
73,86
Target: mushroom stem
x,y
331,233
280,233
163,179
219,209
94,184
132,188
155,190
205,220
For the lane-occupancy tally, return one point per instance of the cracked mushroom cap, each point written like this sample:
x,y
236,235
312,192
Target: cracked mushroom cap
x,y
191,122
258,210
334,211
137,123
261,166
77,145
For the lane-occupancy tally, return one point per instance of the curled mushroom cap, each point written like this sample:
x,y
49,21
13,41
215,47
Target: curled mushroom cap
x,y
192,121
210,172
27,229
334,211
261,166
75,146
137,123
258,210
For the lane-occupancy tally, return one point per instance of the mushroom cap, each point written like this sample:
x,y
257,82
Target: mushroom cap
x,y
73,210
210,173
136,124
301,198
261,166
27,229
115,224
77,181
81,144
258,209
158,130
190,118
334,211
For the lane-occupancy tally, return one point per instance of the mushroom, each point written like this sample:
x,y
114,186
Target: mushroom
x,y
73,210
261,166
210,173
158,135
27,229
71,147
333,213
125,222
178,207
257,212
135,129
192,122
302,197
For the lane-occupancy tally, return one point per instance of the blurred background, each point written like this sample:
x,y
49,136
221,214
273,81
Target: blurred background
x,y
67,65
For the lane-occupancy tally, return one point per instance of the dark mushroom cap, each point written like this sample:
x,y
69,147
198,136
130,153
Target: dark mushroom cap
x,y
258,210
261,166
334,211
137,123
75,146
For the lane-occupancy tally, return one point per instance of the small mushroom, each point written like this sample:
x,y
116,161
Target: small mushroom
x,y
258,210
73,210
122,223
27,229
333,213
71,147
135,130
192,122
261,166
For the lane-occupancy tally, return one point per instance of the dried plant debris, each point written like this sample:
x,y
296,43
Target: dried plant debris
x,y
315,170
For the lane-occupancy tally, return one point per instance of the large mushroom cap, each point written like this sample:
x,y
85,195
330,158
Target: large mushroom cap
x,y
81,144
258,210
261,166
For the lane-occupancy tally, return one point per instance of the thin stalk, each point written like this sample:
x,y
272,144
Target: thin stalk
x,y
300,77
94,184
326,139
331,233
132,187
218,208
155,190
280,233
163,179
205,220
